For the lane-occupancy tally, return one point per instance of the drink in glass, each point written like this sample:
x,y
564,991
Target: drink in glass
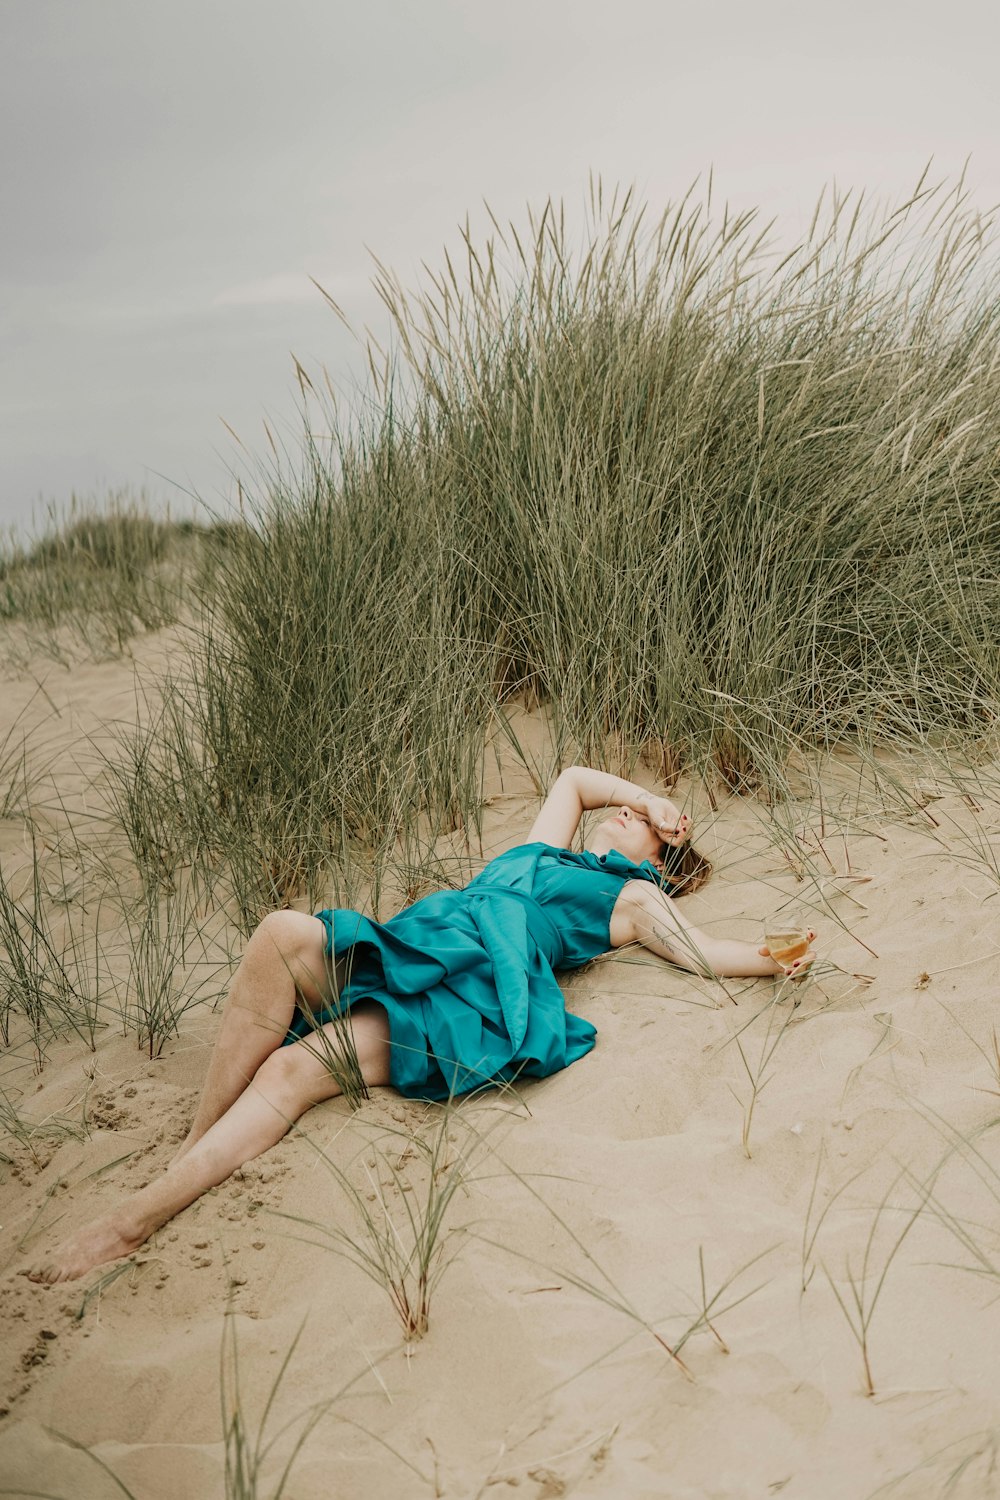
x,y
787,937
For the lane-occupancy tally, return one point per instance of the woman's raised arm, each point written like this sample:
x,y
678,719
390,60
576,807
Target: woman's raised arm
x,y
580,789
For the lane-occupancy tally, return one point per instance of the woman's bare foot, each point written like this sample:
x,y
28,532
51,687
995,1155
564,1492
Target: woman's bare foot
x,y
284,1086
100,1241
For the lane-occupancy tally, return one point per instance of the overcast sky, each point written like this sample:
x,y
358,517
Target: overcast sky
x,y
173,174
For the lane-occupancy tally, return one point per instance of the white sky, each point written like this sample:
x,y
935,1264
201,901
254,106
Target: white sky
x,y
172,174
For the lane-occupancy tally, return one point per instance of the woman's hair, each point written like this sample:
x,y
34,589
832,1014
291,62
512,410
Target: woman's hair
x,y
685,868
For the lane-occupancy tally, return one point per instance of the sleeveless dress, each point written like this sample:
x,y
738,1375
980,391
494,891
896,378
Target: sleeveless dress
x,y
467,978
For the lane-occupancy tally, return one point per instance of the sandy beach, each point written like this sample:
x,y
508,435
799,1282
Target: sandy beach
x,y
630,1203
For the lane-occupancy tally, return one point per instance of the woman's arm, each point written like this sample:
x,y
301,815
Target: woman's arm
x,y
579,789
645,915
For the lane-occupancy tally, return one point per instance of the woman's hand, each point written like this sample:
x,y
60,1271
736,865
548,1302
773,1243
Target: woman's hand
x,y
667,820
796,969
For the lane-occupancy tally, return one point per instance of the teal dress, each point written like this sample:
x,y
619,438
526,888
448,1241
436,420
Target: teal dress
x,y
467,978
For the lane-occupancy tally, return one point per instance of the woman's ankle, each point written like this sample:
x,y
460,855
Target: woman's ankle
x,y
132,1225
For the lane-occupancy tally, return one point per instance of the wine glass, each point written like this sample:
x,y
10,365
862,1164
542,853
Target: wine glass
x,y
786,936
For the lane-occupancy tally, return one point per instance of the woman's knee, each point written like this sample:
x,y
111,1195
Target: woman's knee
x,y
288,1079
299,1076
298,943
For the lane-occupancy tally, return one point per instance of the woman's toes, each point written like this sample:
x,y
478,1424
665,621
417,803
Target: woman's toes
x,y
43,1273
96,1244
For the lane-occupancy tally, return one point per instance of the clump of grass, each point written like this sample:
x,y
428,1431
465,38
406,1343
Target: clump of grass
x,y
248,1453
977,1236
988,1051
865,1284
811,1225
51,977
28,1134
714,1305
709,504
968,1466
103,571
245,1455
158,989
336,1048
18,773
401,1202
249,1446
758,1068
138,803
597,1282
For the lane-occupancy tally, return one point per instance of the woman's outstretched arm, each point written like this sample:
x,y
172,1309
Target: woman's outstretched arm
x,y
646,915
580,789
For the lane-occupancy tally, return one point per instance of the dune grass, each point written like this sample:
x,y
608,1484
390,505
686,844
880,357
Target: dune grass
x,y
99,572
708,502
594,1280
251,1464
758,1067
718,509
861,1287
329,1036
160,986
966,1467
31,1134
51,972
401,1188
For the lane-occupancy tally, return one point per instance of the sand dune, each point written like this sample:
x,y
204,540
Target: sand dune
x,y
591,1205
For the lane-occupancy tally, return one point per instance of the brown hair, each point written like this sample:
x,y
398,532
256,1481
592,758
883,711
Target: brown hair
x,y
685,869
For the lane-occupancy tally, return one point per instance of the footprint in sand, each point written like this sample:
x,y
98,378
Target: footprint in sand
x,y
106,1113
39,1351
34,1354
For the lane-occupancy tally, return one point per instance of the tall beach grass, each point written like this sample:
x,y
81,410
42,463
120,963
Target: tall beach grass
x,y
707,501
98,572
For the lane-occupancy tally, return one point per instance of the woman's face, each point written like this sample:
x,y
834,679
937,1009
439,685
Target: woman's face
x,y
630,833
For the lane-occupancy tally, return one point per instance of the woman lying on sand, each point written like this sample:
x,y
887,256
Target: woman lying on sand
x,y
455,991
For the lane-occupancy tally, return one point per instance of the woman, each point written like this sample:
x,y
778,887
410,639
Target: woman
x,y
456,991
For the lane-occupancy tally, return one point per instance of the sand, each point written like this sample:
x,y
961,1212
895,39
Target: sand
x,y
591,1205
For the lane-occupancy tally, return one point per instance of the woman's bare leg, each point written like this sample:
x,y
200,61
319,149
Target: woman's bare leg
x,y
285,1084
285,956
